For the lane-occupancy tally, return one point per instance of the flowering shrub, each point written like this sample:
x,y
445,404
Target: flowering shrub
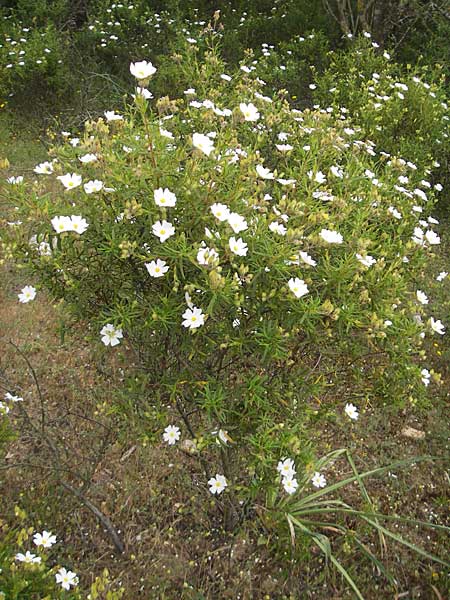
x,y
253,255
32,59
26,574
403,112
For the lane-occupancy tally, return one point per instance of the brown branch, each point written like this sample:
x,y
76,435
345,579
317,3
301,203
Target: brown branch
x,y
104,520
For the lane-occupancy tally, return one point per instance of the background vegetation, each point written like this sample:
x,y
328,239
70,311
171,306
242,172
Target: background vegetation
x,y
135,518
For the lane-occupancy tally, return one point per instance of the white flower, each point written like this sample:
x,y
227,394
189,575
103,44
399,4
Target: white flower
x,y
61,224
166,133
421,297
87,158
45,168
163,230
67,579
144,93
425,376
437,326
28,557
318,177
287,181
93,186
222,437
78,224
318,480
164,197
217,484
236,222
111,335
110,115
15,180
238,247
207,256
4,408
284,147
337,171
203,143
264,173
332,237
220,211
286,467
298,287
432,238
442,275
44,539
279,228
366,260
290,485
193,318
171,434
420,194
157,268
10,398
142,69
351,411
27,294
394,212
249,111
306,258
70,180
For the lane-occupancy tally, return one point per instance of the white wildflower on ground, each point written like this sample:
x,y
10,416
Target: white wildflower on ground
x,y
437,326
351,411
290,484
45,539
318,480
28,558
111,335
27,294
171,434
286,467
66,579
217,484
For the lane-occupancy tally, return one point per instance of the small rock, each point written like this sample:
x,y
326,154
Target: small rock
x,y
189,446
413,434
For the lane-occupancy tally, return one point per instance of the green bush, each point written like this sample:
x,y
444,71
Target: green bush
x,y
404,112
320,289
34,63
